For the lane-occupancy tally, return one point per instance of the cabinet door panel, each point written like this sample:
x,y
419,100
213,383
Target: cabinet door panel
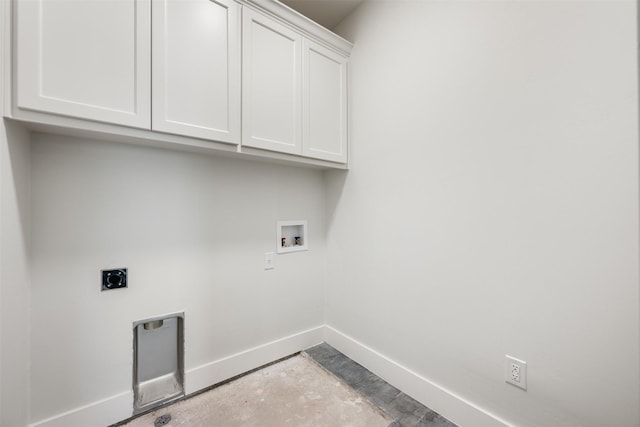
x,y
271,88
88,59
196,68
324,104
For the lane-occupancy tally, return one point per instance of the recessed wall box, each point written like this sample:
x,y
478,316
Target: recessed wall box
x,y
292,236
158,361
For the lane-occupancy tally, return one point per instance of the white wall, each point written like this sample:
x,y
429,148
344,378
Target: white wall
x,y
492,202
191,229
14,259
14,275
491,208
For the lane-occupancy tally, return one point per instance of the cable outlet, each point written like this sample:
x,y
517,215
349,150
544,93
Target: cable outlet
x,y
515,372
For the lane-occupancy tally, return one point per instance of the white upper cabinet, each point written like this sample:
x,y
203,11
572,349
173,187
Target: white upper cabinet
x,y
324,103
294,92
246,76
196,68
87,59
271,85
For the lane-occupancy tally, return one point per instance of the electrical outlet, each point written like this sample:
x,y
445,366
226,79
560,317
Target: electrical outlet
x,y
515,372
269,260
114,279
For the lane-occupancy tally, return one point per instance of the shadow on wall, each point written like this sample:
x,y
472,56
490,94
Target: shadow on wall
x,y
334,186
17,135
14,273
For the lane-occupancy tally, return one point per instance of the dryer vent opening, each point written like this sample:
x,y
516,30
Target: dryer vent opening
x,y
158,361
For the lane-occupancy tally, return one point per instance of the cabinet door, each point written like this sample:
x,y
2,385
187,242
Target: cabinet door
x,y
89,59
196,68
324,104
271,85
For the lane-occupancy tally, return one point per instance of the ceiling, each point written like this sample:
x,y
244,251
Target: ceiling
x,y
327,13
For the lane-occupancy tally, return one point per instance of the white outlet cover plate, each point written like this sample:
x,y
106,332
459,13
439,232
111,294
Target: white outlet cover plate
x,y
269,260
511,362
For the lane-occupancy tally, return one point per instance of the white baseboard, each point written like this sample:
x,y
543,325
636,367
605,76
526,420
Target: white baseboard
x,y
101,413
443,401
448,404
120,407
222,369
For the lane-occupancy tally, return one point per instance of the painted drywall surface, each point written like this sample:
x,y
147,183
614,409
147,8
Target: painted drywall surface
x,y
14,274
14,268
191,229
492,203
14,257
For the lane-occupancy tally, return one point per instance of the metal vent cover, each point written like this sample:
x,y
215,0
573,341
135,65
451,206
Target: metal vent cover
x,y
158,361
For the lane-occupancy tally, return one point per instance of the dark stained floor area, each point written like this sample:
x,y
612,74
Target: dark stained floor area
x,y
405,411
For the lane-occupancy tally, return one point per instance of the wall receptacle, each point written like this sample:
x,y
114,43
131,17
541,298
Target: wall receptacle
x,y
515,371
114,279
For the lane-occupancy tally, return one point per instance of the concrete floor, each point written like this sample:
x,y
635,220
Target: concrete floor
x,y
294,392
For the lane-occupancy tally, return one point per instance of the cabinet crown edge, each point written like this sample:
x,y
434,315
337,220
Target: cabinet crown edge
x,y
301,23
